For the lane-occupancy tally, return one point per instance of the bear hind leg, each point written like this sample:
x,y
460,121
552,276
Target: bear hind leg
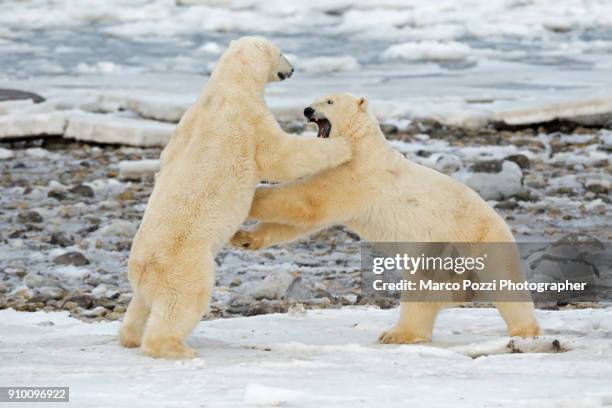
x,y
415,324
520,318
134,322
176,311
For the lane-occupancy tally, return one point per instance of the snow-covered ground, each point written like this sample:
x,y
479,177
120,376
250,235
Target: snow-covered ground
x,y
460,61
321,358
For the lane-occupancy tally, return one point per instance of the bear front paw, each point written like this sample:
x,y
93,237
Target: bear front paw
x,y
245,239
399,336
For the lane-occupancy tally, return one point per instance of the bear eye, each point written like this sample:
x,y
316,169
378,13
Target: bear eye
x,y
330,102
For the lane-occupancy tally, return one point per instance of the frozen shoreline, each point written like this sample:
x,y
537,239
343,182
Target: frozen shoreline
x,y
321,358
147,118
462,63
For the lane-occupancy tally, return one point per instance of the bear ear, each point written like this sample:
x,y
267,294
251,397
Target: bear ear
x,y
363,103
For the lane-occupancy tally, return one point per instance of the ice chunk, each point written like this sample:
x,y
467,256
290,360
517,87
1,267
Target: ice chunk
x,y
110,129
136,169
427,51
165,108
590,111
31,125
329,64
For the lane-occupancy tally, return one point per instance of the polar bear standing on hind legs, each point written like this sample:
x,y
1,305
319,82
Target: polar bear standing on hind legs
x,y
384,198
224,145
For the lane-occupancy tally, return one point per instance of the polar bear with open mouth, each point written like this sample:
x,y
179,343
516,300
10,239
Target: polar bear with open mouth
x,y
383,197
224,145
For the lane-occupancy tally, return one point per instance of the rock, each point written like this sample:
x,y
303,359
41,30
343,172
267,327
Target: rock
x,y
493,180
297,310
487,166
6,154
137,169
127,195
266,306
4,287
119,228
57,194
71,258
598,186
34,280
82,190
99,311
81,300
388,128
299,291
47,293
526,195
273,286
27,217
520,159
60,239
507,205
38,152
15,94
448,164
240,304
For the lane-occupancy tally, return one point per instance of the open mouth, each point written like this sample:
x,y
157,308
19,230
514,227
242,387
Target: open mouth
x,y
324,126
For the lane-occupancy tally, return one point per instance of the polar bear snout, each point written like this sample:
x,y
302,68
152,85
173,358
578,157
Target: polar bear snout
x,y
308,112
285,70
284,75
319,118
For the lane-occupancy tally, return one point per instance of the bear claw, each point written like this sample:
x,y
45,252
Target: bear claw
x,y
168,349
397,336
245,240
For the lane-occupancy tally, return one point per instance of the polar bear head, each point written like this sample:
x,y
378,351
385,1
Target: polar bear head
x,y
338,114
260,57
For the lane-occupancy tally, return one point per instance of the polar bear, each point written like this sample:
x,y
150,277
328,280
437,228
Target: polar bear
x,y
224,145
383,197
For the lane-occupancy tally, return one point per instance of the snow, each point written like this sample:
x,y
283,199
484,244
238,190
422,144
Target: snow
x,y
257,394
427,51
322,358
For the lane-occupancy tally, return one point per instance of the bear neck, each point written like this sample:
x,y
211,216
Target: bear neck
x,y
369,138
242,81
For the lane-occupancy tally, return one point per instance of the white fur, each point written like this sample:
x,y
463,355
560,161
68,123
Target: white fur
x,y
224,145
384,198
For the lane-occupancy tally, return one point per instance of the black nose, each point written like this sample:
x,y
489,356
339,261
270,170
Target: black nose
x,y
308,112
